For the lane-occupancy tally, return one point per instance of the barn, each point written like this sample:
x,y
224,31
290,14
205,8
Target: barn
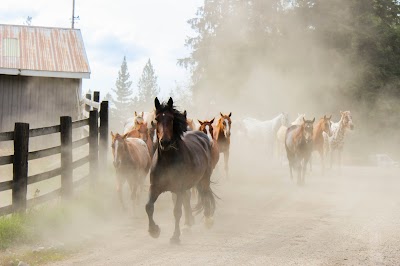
x,y
41,72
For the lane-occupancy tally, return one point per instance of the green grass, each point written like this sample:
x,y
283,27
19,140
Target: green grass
x,y
14,229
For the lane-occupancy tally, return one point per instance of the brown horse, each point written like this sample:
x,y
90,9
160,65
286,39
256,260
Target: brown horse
x,y
181,162
144,133
207,128
299,145
222,135
190,123
131,162
323,125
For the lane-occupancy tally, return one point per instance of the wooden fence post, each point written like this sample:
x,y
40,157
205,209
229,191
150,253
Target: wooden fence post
x,y
103,149
93,145
20,166
66,156
96,98
87,107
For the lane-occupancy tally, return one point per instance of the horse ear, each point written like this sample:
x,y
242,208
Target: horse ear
x,y
170,102
112,135
157,103
330,117
341,113
200,122
313,120
221,114
304,119
212,121
324,117
185,113
135,113
142,114
230,114
125,135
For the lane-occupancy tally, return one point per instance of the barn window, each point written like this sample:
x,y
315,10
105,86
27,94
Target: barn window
x,y
10,47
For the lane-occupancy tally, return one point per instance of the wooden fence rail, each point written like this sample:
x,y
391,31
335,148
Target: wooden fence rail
x,y
98,143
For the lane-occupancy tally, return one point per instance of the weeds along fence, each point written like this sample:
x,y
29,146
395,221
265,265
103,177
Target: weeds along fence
x,y
97,157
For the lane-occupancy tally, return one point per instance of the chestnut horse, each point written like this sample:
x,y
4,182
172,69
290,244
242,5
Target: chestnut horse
x,y
180,162
141,131
299,144
131,162
323,125
222,135
207,128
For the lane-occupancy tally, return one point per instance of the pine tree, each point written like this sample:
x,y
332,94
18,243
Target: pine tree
x,y
123,91
148,87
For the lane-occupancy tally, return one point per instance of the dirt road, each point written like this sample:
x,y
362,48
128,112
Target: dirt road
x,y
264,218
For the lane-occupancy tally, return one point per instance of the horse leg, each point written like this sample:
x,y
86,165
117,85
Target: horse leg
x,y
120,182
310,163
226,161
189,218
178,214
154,229
321,154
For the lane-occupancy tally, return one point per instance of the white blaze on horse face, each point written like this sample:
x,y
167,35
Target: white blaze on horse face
x,y
208,132
116,152
227,128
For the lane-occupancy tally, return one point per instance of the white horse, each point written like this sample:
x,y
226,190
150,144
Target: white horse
x,y
281,135
265,131
338,129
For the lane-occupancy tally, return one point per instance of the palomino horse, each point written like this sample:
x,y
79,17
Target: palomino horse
x,y
181,162
222,135
298,143
131,162
336,141
132,123
141,131
207,128
281,135
265,130
323,126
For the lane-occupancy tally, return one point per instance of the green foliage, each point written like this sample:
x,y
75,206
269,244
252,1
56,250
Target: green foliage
x,y
13,229
148,88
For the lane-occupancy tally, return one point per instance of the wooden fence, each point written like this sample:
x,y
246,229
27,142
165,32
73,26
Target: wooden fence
x,y
98,144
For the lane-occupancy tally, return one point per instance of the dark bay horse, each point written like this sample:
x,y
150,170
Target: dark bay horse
x,y
222,135
207,128
299,145
131,162
323,125
181,161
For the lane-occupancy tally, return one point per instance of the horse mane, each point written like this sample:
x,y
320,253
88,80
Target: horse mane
x,y
298,134
179,122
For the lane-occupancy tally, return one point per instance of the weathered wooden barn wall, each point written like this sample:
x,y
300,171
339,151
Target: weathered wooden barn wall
x,y
39,101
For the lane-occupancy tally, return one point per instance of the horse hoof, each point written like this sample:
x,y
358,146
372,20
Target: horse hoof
x,y
155,231
209,222
175,240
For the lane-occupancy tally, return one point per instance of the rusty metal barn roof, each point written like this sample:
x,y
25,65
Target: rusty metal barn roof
x,y
42,51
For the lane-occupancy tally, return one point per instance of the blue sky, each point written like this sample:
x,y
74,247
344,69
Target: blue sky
x,y
139,30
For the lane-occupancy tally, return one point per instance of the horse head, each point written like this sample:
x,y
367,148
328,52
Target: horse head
x,y
326,126
170,126
207,128
308,128
118,148
224,123
347,119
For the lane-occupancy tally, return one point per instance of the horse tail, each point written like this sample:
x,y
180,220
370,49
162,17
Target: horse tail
x,y
206,201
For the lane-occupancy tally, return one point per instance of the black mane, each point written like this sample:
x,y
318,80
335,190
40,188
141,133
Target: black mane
x,y
180,123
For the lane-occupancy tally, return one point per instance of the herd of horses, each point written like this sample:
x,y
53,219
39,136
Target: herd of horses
x,y
181,154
